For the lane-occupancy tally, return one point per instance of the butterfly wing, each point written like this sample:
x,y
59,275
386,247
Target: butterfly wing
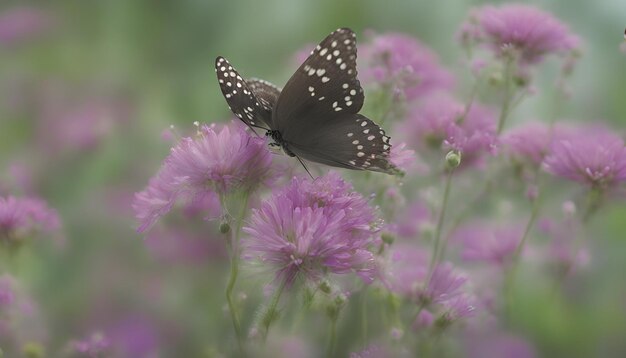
x,y
267,92
351,141
325,87
317,111
251,102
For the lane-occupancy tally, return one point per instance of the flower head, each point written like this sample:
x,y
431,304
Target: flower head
x,y
20,216
402,59
439,122
444,285
489,244
406,269
217,160
596,158
530,31
529,143
311,227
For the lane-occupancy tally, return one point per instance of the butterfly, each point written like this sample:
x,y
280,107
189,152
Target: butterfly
x,y
316,115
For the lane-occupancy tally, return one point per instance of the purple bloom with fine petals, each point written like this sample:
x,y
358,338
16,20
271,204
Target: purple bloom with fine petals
x,y
593,158
489,244
458,307
530,142
444,284
20,216
530,31
402,59
311,227
401,157
216,161
439,122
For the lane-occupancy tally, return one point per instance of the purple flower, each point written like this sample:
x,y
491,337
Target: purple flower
x,y
596,158
406,269
530,142
423,320
311,227
405,62
438,122
220,161
401,157
93,346
21,216
458,307
562,255
444,285
530,31
22,23
489,244
7,295
135,336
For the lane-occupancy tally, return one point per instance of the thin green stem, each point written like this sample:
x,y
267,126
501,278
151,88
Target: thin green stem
x,y
271,313
234,271
364,315
440,220
504,112
594,200
332,341
470,102
511,273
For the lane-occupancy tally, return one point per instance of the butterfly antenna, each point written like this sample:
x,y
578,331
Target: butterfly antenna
x,y
305,168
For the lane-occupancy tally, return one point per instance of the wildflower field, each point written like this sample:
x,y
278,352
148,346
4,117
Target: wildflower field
x,y
312,179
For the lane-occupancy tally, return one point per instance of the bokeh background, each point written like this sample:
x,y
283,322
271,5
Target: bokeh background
x,y
87,89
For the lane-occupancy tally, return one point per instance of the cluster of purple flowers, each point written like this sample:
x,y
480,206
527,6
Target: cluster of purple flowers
x,y
217,161
322,231
20,217
312,227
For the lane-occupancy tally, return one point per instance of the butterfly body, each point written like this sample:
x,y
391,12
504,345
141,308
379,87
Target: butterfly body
x,y
279,142
315,116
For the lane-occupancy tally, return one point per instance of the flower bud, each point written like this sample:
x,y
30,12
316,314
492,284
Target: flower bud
x,y
325,287
387,238
224,227
453,159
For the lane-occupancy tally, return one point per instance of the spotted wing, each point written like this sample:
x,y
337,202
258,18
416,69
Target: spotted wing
x,y
324,88
317,111
351,141
266,91
253,110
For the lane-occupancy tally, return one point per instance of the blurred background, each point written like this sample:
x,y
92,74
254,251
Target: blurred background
x,y
87,89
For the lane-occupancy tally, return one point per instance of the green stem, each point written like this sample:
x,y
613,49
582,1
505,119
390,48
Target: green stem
x,y
511,274
364,316
438,229
594,199
332,342
234,271
469,104
271,313
508,76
